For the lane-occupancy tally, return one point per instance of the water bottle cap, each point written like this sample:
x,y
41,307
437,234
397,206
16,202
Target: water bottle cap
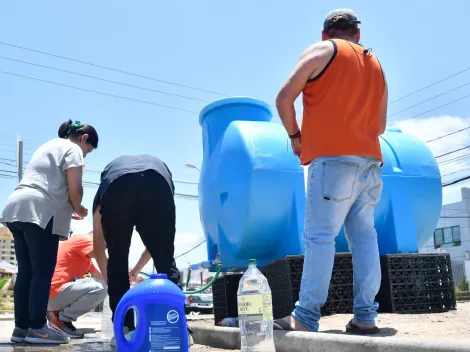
x,y
252,261
159,276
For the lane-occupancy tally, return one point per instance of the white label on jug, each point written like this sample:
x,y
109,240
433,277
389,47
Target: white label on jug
x,y
255,307
166,328
172,316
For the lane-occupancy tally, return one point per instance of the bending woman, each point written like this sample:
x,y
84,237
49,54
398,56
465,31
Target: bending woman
x,y
38,213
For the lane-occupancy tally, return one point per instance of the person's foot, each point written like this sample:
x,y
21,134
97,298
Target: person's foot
x,y
127,335
190,338
18,335
289,324
64,327
358,328
45,335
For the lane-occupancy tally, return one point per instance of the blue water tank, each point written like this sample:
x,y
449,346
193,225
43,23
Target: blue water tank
x,y
160,318
252,190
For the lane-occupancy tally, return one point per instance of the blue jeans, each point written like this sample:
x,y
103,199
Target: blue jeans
x,y
340,190
36,253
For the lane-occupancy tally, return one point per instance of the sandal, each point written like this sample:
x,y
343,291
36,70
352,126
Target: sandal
x,y
352,328
281,324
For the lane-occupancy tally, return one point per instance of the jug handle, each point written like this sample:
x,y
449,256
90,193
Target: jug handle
x,y
118,328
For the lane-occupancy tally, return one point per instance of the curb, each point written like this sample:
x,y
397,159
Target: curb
x,y
229,338
5,317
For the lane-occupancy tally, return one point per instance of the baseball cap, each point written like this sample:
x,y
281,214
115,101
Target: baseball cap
x,y
341,17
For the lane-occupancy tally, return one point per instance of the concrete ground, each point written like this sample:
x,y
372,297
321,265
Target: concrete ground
x,y
91,324
439,332
447,326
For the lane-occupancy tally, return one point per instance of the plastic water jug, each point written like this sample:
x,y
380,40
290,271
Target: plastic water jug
x,y
160,320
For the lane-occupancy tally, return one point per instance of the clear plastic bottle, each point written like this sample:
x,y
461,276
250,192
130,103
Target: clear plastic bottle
x,y
106,322
255,312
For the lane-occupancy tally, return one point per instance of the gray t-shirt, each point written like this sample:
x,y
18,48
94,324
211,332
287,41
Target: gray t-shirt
x,y
43,192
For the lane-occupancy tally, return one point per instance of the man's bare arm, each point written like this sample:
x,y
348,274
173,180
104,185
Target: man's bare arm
x,y
99,244
144,259
312,61
97,275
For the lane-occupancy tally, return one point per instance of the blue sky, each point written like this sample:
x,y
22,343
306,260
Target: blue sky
x,y
233,48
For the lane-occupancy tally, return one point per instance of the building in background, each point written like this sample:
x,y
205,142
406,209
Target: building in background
x,y
452,235
7,246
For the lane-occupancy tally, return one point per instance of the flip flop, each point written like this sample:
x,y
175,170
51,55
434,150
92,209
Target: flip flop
x,y
352,328
281,324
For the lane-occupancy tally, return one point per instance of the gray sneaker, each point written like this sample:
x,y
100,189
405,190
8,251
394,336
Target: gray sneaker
x,y
18,335
46,335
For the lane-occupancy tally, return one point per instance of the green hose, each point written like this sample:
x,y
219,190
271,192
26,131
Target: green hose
x,y
187,279
219,270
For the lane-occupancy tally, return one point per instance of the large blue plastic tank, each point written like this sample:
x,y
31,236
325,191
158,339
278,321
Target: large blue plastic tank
x,y
252,190
161,322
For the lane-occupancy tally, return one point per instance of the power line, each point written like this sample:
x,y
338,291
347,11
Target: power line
x,y
461,157
428,86
446,135
456,181
174,181
106,80
113,69
7,176
454,217
192,249
425,101
95,185
425,112
453,151
455,172
100,93
99,172
3,163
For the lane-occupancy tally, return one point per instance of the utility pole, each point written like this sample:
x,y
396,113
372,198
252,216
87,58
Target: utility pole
x,y
19,157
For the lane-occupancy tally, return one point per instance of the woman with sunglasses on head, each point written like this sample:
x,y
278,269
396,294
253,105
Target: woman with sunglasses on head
x,y
38,214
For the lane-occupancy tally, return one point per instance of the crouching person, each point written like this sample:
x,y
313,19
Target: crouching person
x,y
73,294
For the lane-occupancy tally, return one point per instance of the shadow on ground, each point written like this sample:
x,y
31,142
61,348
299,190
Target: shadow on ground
x,y
384,332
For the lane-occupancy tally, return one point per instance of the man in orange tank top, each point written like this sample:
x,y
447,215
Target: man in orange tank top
x,y
344,112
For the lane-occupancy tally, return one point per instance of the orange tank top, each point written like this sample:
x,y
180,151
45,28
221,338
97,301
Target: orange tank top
x,y
342,106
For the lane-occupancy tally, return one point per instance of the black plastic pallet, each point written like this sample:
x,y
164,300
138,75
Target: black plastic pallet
x,y
224,292
416,283
284,277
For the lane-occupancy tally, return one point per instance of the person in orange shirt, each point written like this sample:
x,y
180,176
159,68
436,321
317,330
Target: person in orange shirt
x,y
344,112
73,294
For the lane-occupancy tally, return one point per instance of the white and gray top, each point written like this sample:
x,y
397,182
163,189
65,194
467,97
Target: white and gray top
x,y
43,192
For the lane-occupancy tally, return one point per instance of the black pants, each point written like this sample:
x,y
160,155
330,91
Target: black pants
x,y
36,253
143,200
